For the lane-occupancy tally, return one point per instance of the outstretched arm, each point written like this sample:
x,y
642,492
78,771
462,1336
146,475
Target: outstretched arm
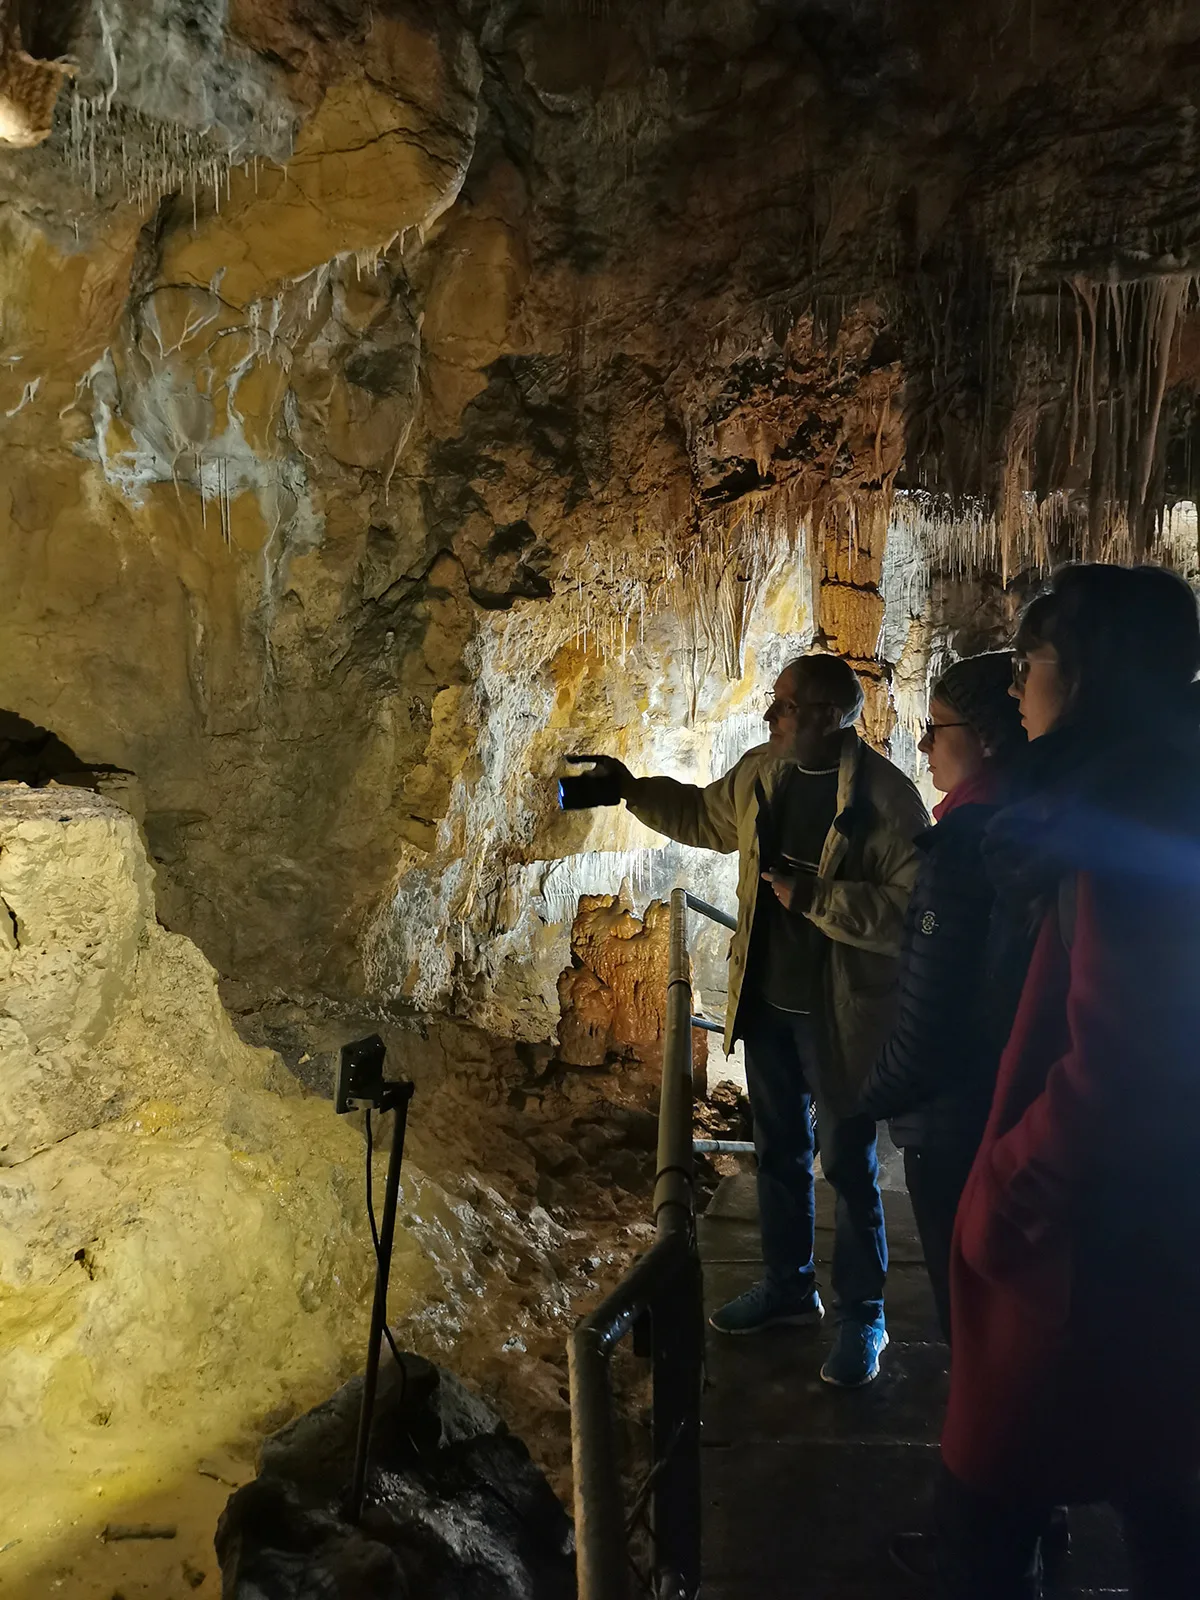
x,y
691,814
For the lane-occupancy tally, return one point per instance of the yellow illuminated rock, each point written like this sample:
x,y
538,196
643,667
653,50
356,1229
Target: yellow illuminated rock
x,y
613,996
183,1251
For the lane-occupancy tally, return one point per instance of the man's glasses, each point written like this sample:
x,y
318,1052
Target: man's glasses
x,y
779,708
789,708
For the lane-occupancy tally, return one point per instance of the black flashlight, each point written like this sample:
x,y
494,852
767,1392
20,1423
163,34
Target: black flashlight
x,y
588,789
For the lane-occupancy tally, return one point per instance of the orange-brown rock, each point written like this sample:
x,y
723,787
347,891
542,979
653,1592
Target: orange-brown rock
x,y
29,90
613,995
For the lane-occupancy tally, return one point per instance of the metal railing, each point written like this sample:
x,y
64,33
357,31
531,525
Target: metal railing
x,y
715,1147
661,1297
713,913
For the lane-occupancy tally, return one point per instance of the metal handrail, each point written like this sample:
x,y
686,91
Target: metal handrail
x,y
713,913
662,1291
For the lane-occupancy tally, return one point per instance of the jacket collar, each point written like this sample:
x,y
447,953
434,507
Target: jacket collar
x,y
984,789
775,768
772,773
849,763
837,841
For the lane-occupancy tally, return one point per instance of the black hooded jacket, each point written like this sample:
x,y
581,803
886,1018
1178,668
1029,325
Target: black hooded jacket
x,y
934,1077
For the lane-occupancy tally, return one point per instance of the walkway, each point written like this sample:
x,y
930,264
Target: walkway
x,y
803,1484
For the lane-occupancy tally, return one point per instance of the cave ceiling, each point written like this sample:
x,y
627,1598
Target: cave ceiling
x,y
357,354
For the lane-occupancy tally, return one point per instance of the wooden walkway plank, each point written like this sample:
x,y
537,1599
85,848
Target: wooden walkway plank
x,y
803,1484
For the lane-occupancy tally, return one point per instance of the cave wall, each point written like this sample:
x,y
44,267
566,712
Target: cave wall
x,y
396,398
184,1254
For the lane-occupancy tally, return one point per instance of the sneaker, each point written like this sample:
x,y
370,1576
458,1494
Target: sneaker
x,y
854,1359
768,1305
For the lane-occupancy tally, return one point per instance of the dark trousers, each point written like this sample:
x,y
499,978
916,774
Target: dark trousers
x,y
781,1077
988,1549
935,1181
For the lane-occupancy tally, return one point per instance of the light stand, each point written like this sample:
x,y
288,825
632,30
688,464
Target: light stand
x,y
361,1087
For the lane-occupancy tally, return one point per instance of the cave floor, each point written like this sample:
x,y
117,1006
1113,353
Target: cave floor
x,y
803,1484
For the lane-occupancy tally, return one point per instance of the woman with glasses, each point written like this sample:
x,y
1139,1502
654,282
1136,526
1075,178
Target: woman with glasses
x,y
1075,1267
933,1080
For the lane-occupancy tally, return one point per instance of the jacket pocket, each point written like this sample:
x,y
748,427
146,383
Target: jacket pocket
x,y
1033,1268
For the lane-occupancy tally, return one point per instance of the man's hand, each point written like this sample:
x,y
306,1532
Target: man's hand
x,y
793,893
608,767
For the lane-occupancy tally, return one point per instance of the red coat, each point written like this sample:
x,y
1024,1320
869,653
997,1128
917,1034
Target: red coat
x,y
1075,1274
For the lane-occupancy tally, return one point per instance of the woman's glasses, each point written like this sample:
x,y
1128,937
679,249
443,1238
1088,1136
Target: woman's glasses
x,y
932,729
1020,670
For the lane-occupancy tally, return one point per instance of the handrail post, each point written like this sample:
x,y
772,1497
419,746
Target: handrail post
x,y
678,1365
673,1179
677,1351
665,1284
601,1546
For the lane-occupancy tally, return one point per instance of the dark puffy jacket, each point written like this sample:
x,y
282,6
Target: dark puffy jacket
x,y
934,1077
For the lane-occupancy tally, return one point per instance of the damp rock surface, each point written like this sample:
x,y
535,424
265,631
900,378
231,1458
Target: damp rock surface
x,y
184,1254
455,1507
178,1253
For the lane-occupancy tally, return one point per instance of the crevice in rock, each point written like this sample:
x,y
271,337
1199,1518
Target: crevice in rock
x,y
36,756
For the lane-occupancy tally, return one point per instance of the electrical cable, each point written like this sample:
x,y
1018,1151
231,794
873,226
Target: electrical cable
x,y
493,1488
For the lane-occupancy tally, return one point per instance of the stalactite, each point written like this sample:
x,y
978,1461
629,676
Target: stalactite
x,y
1013,392
962,537
114,150
1125,331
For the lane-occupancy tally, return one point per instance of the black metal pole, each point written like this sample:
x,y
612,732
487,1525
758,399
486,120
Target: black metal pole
x,y
666,1283
677,1361
713,913
396,1098
677,1318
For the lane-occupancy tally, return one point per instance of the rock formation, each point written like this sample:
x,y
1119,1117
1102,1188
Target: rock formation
x,y
454,1505
613,995
182,1242
183,1246
395,401
397,398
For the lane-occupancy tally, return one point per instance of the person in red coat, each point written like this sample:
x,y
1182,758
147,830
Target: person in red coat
x,y
1075,1266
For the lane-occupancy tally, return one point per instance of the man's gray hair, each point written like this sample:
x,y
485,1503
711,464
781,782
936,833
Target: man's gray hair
x,y
834,680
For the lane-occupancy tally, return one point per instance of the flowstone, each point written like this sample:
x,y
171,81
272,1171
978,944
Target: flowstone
x,y
181,1246
613,995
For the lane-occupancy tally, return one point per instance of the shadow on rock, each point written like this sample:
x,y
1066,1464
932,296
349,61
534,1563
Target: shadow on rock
x,y
455,1508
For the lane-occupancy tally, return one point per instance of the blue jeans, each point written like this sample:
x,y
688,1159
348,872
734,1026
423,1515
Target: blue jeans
x,y
782,1078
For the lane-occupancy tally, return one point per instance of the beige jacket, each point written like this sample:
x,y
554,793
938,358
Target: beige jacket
x,y
866,875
